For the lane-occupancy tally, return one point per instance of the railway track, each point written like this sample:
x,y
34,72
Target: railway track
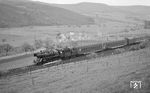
x,y
26,69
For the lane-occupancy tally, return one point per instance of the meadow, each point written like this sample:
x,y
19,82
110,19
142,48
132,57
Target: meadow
x,y
18,36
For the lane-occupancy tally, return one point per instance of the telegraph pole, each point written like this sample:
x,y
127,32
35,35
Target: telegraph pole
x,y
98,24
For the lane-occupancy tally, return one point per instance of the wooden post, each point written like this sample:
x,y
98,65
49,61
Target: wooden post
x,y
107,63
30,72
48,69
119,60
57,67
33,83
81,90
107,38
130,58
139,58
62,65
87,66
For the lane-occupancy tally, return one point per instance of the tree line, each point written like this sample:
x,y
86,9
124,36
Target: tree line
x,y
7,49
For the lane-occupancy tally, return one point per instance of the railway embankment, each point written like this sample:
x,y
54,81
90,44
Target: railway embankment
x,y
106,53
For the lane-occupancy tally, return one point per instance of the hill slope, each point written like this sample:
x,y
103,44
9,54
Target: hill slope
x,y
124,13
26,13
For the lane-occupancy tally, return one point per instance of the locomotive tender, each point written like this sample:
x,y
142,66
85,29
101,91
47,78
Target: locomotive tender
x,y
67,53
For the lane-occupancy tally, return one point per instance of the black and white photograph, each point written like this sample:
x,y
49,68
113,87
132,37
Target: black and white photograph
x,y
74,46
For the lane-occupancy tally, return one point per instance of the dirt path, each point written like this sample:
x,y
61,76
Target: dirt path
x,y
97,75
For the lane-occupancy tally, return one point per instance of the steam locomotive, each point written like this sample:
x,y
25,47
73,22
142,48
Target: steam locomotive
x,y
67,53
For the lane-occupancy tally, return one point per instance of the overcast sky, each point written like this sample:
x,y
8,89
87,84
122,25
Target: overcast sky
x,y
110,2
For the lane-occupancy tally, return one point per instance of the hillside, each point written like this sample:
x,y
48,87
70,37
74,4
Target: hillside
x,y
28,13
123,13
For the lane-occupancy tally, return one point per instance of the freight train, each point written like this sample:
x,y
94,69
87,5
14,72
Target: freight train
x,y
67,53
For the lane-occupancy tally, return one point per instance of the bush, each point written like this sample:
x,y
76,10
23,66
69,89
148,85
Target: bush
x,y
132,48
144,44
48,44
4,40
38,44
27,47
120,50
6,48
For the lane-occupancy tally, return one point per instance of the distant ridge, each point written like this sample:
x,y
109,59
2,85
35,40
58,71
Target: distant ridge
x,y
124,13
90,6
17,13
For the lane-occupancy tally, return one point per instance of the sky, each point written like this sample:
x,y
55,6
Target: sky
x,y
109,2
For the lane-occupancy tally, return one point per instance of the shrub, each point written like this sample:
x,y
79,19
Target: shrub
x,y
144,44
48,44
27,47
134,48
4,40
38,44
6,48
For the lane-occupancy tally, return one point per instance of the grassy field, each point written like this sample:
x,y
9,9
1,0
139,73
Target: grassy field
x,y
18,36
109,31
100,75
